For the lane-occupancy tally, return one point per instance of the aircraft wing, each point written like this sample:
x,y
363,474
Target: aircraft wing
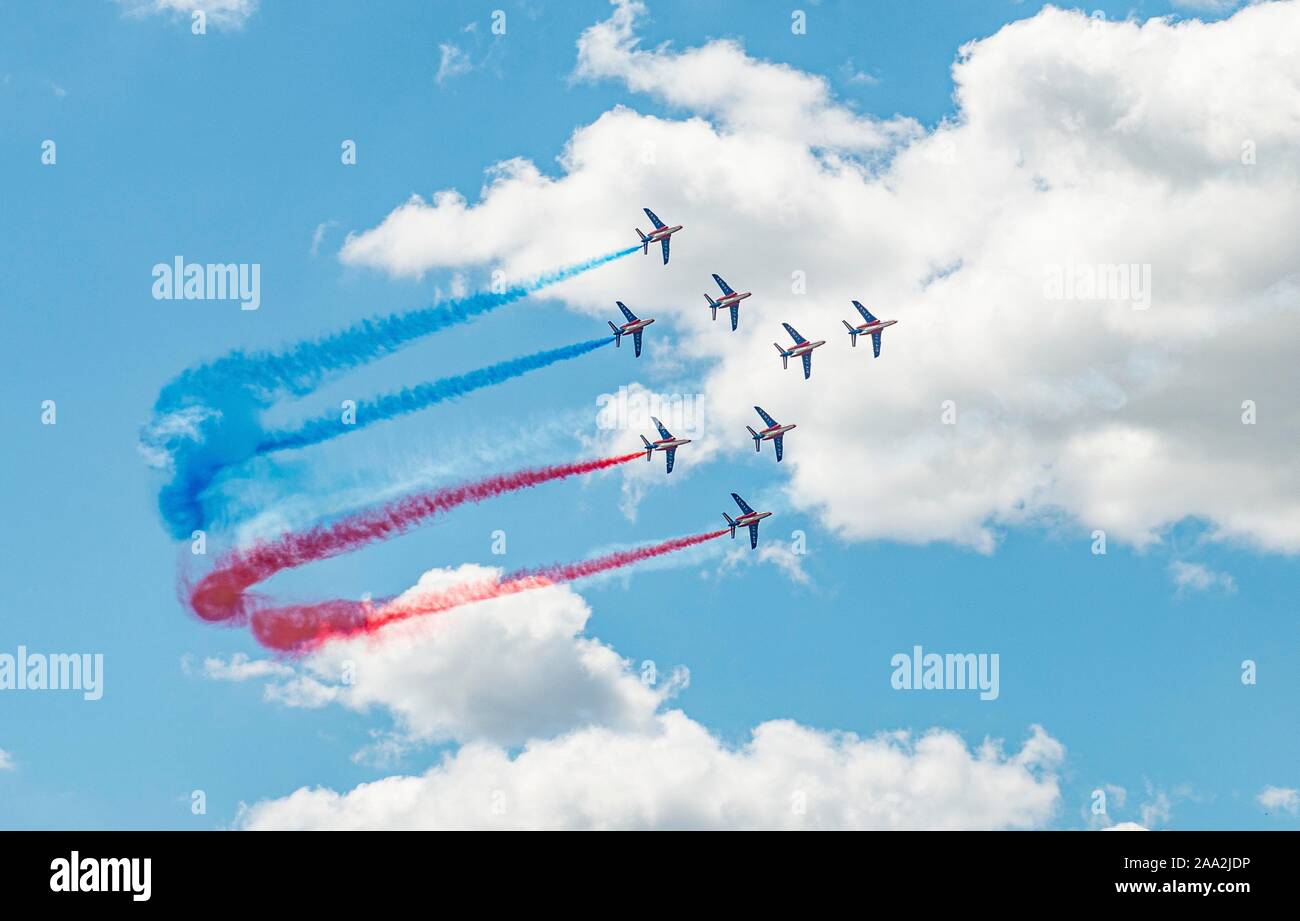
x,y
653,220
663,432
766,418
735,316
794,334
807,363
753,536
636,343
780,449
671,454
866,314
875,343
726,289
631,317
665,242
744,506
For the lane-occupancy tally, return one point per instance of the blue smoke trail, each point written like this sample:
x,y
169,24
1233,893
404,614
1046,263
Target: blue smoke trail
x,y
301,369
422,396
242,439
205,419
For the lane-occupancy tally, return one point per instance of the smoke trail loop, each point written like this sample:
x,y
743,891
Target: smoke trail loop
x,y
222,595
205,419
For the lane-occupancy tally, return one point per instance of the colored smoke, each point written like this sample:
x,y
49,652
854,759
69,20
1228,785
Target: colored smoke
x,y
222,595
303,627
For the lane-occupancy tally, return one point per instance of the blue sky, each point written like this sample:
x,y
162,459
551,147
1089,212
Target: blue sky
x,y
225,147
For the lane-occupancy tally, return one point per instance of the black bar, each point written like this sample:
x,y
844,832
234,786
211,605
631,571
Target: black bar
x,y
330,869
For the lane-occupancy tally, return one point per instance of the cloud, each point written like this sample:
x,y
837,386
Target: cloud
x,y
6,761
1280,799
1158,808
452,62
772,553
318,235
239,668
677,775
719,80
1125,826
1194,577
501,671
224,14
1123,147
558,731
852,75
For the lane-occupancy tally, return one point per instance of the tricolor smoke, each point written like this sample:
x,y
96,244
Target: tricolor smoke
x,y
222,595
422,396
300,628
206,418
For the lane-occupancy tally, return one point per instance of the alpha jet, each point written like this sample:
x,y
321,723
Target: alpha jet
x,y
730,300
749,519
633,327
666,443
774,433
660,234
873,326
802,349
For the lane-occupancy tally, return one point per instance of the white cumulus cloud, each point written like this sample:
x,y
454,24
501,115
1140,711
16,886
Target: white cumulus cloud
x,y
676,775
1196,577
558,731
1148,163
502,671
1281,799
240,667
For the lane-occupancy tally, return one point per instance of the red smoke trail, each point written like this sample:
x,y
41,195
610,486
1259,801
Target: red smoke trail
x,y
221,595
300,628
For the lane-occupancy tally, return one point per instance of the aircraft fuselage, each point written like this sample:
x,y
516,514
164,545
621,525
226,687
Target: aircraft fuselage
x,y
869,328
804,348
634,326
774,431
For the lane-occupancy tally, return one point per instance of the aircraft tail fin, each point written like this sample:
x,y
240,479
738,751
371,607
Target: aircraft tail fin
x,y
731,525
758,439
645,242
649,448
785,356
713,305
853,333
618,334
